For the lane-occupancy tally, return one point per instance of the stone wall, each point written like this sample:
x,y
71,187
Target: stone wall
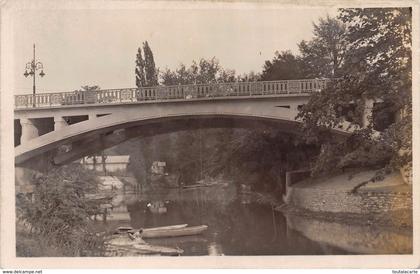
x,y
323,200
334,194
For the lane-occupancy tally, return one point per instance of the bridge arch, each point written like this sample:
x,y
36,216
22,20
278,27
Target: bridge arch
x,y
82,139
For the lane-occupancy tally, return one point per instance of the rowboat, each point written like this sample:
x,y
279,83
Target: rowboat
x,y
173,232
165,227
194,186
129,229
123,229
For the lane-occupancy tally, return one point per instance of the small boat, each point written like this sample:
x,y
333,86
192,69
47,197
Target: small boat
x,y
203,183
165,227
123,229
158,228
200,185
173,232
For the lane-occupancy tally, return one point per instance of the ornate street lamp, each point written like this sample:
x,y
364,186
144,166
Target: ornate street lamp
x,y
30,70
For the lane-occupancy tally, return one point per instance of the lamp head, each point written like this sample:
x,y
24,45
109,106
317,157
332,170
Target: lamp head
x,y
42,74
26,74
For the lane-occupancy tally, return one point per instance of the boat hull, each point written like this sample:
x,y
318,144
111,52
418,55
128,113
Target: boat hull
x,y
125,229
178,232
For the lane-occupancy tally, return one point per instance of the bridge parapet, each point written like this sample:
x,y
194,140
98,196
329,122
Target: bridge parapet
x,y
180,92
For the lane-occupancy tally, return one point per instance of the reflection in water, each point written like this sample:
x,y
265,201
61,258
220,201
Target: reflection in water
x,y
237,225
215,249
157,207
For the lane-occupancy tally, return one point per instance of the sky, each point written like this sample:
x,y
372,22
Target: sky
x,y
98,46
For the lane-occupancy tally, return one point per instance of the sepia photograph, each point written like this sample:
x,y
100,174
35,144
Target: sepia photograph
x,y
200,129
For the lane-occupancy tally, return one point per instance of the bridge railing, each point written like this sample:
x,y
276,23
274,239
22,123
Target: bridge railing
x,y
180,92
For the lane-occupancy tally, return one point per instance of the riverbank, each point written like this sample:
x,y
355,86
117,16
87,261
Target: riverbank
x,y
377,219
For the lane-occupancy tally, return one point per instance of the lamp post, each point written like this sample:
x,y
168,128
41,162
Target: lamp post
x,y
30,70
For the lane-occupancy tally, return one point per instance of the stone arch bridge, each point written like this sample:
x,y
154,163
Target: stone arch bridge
x,y
71,125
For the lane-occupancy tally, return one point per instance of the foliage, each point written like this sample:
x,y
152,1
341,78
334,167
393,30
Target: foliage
x,y
146,72
284,66
150,70
60,210
139,70
203,72
376,65
249,77
261,157
323,56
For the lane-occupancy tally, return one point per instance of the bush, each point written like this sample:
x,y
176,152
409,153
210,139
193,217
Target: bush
x,y
60,211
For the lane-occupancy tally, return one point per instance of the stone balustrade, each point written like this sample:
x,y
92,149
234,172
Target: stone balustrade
x,y
177,92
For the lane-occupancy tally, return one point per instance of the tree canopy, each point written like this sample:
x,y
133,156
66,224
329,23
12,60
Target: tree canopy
x,y
284,66
150,71
202,72
323,56
139,70
145,70
376,65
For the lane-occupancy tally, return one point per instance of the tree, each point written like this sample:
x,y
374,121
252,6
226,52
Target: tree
x,y
203,72
323,56
181,76
140,78
150,70
376,66
380,42
284,66
249,77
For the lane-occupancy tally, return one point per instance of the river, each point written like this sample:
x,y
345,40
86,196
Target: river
x,y
237,223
